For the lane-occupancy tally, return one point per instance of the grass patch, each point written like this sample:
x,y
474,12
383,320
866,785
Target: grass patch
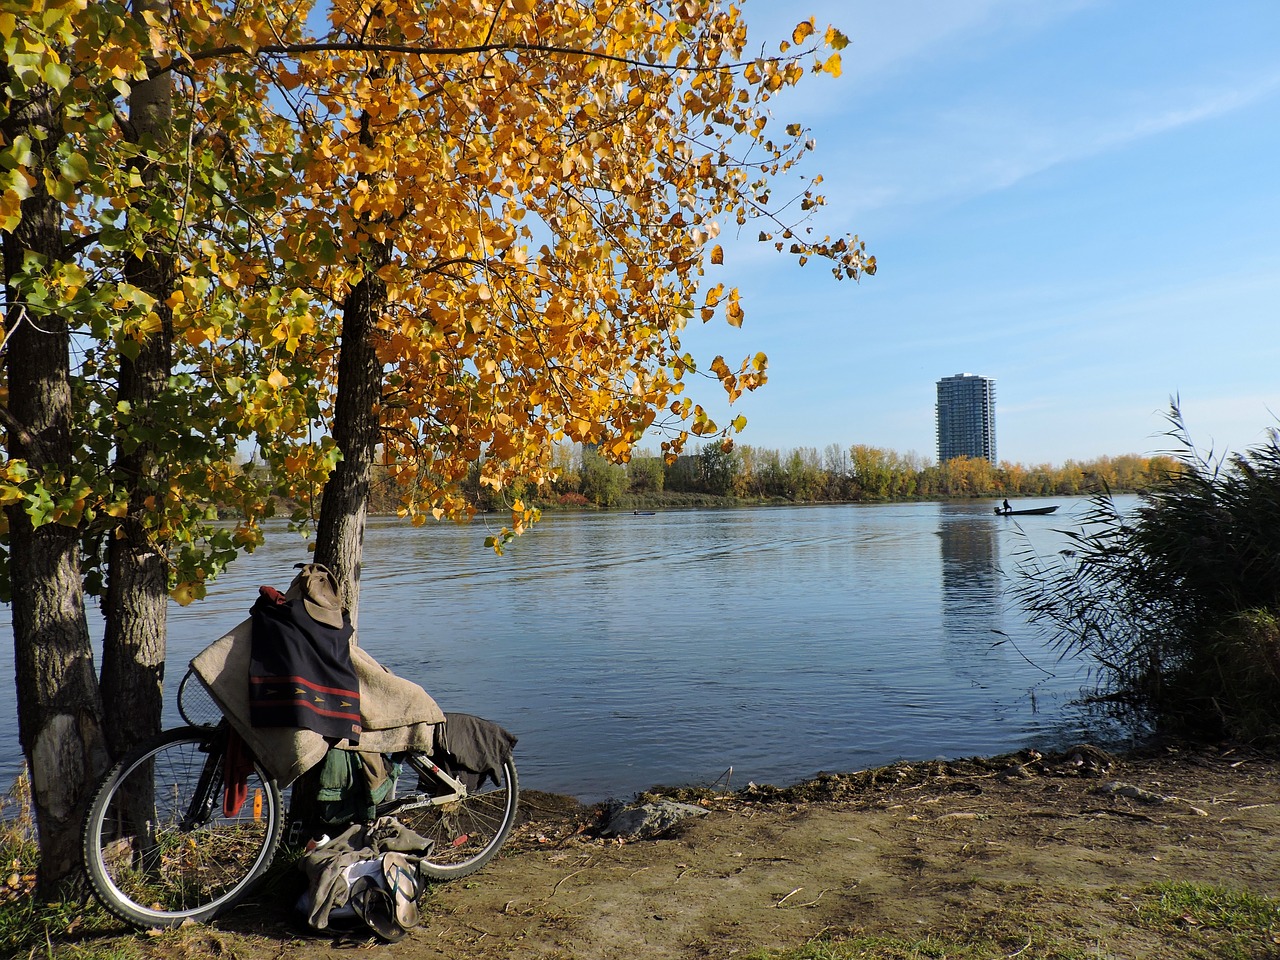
x,y
882,948
1238,924
28,927
1185,920
931,947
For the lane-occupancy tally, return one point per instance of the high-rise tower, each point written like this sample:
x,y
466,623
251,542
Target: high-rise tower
x,y
966,417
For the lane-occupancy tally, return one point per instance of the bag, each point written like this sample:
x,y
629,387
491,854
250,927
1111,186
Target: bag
x,y
382,898
351,785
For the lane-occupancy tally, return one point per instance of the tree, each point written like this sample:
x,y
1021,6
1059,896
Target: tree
x,y
602,482
452,233
872,469
541,201
60,727
109,465
804,475
719,465
645,473
137,595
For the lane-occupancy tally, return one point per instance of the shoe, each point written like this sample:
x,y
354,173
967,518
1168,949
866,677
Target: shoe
x,y
373,905
403,885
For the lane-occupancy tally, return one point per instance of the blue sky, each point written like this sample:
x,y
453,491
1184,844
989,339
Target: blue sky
x,y
1078,198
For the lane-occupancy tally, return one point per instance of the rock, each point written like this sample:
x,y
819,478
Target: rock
x,y
1015,772
1134,793
647,820
1090,760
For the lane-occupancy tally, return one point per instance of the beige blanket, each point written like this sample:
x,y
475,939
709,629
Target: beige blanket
x,y
397,714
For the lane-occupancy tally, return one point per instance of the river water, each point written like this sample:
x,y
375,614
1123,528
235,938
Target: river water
x,y
627,651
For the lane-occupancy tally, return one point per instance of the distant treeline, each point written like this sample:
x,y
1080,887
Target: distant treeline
x,y
804,475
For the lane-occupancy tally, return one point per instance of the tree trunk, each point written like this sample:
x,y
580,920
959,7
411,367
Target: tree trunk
x,y
59,711
344,505
136,606
345,502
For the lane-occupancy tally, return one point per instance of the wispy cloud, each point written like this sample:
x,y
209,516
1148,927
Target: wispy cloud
x,y
888,38
979,148
942,101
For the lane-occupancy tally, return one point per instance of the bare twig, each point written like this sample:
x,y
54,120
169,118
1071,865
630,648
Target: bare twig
x,y
563,879
799,906
1025,947
788,896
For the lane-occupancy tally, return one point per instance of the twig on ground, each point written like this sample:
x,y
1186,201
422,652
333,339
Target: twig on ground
x,y
1026,946
788,896
563,879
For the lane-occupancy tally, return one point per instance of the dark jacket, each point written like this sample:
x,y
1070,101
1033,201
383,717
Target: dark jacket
x,y
300,673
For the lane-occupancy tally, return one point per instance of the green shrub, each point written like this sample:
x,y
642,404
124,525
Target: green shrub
x,y
1175,603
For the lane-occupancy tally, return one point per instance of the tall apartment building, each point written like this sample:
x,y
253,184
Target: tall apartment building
x,y
966,417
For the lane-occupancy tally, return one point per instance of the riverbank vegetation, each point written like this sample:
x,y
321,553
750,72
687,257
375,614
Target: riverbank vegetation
x,y
715,476
1177,604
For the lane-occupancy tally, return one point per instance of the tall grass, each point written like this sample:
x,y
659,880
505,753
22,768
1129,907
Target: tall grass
x,y
18,847
1175,604
30,927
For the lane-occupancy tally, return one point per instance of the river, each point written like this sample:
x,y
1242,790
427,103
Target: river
x,y
627,651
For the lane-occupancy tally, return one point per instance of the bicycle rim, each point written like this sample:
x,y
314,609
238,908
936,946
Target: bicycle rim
x,y
152,869
466,834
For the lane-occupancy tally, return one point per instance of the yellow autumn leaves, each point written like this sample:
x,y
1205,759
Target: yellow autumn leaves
x,y
536,189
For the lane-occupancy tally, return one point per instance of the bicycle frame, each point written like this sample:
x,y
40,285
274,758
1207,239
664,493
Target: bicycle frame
x,y
205,797
426,767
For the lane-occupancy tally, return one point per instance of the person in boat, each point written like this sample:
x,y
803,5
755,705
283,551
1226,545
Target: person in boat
x,y
1006,507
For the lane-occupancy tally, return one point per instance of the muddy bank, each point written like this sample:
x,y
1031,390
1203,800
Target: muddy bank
x,y
1031,855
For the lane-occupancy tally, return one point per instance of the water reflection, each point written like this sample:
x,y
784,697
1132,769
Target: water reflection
x,y
970,551
627,651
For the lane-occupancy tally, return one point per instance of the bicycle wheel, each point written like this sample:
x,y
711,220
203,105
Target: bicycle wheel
x,y
466,833
159,845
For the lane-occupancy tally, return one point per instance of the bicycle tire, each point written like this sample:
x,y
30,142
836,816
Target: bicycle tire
x,y
196,705
466,833
151,870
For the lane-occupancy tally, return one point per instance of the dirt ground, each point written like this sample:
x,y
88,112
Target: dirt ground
x,y
1038,855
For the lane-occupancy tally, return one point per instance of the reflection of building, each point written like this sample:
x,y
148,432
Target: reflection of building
x,y
971,586
966,417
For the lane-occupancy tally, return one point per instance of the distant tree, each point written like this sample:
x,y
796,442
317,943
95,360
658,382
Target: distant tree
x,y
747,483
872,470
603,483
805,480
645,473
683,474
717,469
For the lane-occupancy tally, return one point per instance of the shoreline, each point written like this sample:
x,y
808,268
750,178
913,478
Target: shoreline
x,y
1169,851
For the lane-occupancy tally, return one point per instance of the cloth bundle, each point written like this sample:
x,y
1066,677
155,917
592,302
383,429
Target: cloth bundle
x,y
367,873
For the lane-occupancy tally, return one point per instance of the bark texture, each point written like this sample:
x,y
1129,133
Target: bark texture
x,y
345,503
59,712
136,605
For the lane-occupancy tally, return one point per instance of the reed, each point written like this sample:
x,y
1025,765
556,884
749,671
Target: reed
x,y
1175,605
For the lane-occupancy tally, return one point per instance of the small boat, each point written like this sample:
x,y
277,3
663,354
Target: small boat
x,y
1029,512
643,513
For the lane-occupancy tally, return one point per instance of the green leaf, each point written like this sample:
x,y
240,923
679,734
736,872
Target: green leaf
x,y
75,168
18,154
57,75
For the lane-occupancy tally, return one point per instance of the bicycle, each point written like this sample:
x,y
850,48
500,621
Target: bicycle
x,y
163,844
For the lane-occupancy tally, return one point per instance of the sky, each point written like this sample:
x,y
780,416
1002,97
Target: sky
x,y
1077,198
